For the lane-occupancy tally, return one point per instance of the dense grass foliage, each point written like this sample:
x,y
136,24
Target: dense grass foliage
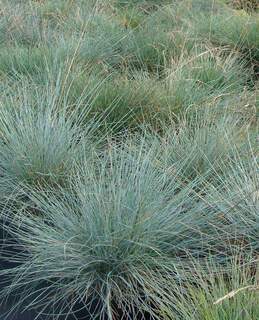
x,y
41,138
110,234
217,298
129,159
200,145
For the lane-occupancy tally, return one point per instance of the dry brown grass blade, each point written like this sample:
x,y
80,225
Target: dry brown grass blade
x,y
232,293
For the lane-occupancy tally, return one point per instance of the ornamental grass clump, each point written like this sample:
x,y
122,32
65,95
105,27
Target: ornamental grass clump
x,y
116,240
40,138
207,72
199,144
231,29
236,195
